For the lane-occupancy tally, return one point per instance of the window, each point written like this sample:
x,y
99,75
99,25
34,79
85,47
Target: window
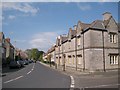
x,y
113,59
79,59
112,37
69,59
69,45
78,41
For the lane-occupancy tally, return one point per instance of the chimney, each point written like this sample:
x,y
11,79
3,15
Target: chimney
x,y
106,15
70,29
8,40
75,27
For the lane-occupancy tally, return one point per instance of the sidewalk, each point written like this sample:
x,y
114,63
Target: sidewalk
x,y
108,79
72,71
68,71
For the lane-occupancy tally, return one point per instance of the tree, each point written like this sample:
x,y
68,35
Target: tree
x,y
41,55
35,53
28,52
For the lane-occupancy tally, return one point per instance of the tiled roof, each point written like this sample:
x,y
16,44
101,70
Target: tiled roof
x,y
64,38
84,25
97,24
106,21
106,13
8,41
73,32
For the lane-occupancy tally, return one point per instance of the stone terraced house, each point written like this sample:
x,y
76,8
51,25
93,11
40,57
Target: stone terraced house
x,y
2,49
90,47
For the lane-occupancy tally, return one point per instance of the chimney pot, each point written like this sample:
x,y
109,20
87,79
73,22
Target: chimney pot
x,y
106,15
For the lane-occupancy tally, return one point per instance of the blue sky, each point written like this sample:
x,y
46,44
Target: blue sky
x,y
36,25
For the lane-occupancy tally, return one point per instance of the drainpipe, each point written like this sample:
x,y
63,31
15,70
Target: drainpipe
x,y
58,55
103,52
55,58
63,58
83,55
76,51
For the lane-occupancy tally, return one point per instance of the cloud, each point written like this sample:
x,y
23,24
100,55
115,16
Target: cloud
x,y
105,0
43,40
60,1
20,41
22,7
84,7
11,17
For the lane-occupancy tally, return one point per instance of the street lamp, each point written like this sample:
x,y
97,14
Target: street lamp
x,y
63,53
64,62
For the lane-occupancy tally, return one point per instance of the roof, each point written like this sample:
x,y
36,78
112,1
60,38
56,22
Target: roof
x,y
106,21
51,49
73,32
106,13
85,25
64,38
97,24
8,41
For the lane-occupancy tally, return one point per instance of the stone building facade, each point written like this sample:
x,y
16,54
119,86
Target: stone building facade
x,y
2,49
9,50
90,47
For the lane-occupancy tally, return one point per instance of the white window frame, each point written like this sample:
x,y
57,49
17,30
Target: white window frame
x,y
78,41
113,37
113,59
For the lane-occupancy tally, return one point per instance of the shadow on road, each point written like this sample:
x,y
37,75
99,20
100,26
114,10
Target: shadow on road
x,y
8,70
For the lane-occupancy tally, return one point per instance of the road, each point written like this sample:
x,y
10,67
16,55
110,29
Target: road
x,y
36,75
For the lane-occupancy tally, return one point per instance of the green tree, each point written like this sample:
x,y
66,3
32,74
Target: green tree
x,y
28,52
35,53
41,55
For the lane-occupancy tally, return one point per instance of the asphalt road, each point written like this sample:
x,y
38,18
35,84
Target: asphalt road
x,y
36,75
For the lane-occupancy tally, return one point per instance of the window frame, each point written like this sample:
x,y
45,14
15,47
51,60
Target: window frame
x,y
78,41
113,59
113,37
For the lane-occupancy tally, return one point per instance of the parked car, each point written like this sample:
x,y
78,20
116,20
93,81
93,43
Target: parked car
x,y
21,63
30,61
14,64
26,62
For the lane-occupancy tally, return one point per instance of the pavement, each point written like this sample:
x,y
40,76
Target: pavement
x,y
41,75
36,75
108,79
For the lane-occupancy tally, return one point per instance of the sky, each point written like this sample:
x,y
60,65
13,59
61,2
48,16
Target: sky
x,y
37,24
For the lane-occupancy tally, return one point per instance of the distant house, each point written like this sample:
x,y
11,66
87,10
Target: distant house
x,y
44,57
59,49
50,55
2,48
91,46
9,50
19,54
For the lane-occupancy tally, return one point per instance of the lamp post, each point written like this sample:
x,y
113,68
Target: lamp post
x,y
50,59
64,62
63,53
